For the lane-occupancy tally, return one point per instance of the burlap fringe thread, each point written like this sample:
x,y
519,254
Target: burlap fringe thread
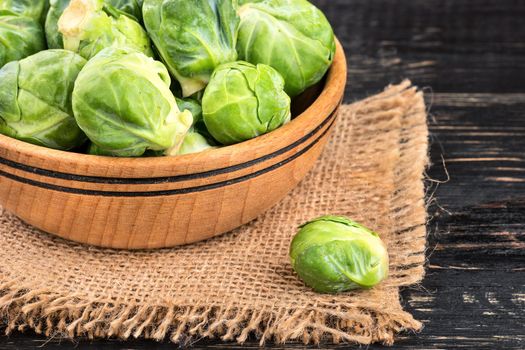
x,y
67,317
59,315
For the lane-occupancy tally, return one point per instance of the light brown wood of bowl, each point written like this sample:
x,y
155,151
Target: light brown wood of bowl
x,y
161,202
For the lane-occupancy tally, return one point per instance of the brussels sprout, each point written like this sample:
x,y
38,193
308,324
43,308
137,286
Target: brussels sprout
x,y
292,36
35,99
244,101
198,122
123,103
191,105
53,36
57,7
35,9
192,37
88,26
132,7
97,151
335,254
20,37
194,143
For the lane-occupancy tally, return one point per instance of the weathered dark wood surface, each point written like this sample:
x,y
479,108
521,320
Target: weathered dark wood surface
x,y
470,58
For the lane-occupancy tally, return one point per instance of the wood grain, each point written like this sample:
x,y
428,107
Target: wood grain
x,y
471,57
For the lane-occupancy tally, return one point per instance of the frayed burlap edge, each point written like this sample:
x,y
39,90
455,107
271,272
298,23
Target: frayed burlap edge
x,y
66,317
69,316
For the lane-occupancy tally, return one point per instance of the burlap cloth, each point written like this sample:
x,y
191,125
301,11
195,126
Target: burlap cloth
x,y
241,285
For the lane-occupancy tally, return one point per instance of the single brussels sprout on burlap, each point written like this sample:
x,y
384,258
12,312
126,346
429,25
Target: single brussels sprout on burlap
x,y
334,254
192,37
88,26
20,37
244,101
292,36
35,99
123,103
34,9
57,7
194,143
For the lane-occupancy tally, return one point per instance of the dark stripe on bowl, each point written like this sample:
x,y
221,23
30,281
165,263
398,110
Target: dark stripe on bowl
x,y
167,192
167,179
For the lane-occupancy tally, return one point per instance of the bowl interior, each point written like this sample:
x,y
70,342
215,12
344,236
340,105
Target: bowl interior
x,y
301,103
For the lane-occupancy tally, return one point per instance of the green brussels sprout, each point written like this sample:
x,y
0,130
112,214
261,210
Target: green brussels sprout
x,y
191,105
57,7
20,37
35,99
192,37
132,7
123,103
97,151
292,36
198,122
53,36
88,26
194,143
335,254
244,101
34,9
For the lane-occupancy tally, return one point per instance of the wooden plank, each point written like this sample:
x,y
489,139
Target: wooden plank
x,y
481,139
449,45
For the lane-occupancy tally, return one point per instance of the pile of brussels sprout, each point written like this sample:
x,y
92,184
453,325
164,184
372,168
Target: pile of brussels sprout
x,y
131,78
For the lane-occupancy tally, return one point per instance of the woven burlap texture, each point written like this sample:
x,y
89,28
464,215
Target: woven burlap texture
x,y
241,286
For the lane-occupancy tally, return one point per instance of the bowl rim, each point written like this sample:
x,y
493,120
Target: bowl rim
x,y
76,163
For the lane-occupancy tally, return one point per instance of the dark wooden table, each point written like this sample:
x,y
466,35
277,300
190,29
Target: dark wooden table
x,y
469,56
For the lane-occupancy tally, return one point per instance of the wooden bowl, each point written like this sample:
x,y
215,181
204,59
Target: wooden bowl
x,y
167,201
